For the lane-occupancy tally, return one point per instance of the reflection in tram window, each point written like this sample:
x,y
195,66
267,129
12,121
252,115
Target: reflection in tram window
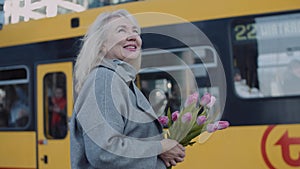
x,y
3,112
17,106
290,81
55,105
14,106
14,101
266,51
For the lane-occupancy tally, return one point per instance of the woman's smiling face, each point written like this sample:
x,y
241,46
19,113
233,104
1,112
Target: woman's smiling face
x,y
123,40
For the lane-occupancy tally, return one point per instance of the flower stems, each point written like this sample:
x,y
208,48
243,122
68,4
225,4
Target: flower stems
x,y
191,135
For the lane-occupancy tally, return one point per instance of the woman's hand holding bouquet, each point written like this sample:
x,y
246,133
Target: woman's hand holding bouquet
x,y
192,120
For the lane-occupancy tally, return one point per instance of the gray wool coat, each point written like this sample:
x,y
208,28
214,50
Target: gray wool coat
x,y
113,125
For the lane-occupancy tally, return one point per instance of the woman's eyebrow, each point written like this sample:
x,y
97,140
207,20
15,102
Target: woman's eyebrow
x,y
135,27
125,26
121,26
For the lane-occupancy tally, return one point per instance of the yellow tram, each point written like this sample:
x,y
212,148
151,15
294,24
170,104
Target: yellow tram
x,y
255,42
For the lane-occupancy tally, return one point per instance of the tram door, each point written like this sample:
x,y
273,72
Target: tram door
x,y
54,108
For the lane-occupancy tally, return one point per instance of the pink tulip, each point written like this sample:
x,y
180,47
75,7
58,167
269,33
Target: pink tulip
x,y
163,120
205,99
175,115
201,120
219,125
187,117
222,124
211,128
193,98
212,102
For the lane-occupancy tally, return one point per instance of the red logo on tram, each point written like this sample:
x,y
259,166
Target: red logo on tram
x,y
284,142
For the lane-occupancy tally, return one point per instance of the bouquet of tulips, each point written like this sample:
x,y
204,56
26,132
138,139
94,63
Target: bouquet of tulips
x,y
192,120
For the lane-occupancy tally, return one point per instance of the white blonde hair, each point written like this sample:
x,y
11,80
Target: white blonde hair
x,y
92,52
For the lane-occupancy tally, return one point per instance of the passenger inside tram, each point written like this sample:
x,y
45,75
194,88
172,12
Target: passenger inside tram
x,y
242,88
57,111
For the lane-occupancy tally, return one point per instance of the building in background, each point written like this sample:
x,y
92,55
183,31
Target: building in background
x,y
1,13
24,10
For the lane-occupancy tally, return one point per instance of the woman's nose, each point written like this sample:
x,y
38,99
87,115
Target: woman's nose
x,y
132,37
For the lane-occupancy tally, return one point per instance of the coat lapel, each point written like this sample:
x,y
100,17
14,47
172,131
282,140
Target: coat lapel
x,y
142,102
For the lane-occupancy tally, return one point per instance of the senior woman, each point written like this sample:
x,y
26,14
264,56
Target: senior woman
x,y
113,125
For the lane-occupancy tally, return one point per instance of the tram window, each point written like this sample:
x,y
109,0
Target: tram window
x,y
163,93
179,73
13,74
266,55
14,100
55,112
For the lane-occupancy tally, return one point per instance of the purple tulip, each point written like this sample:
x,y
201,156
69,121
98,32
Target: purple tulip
x,y
187,117
205,99
175,115
193,98
163,120
201,120
212,102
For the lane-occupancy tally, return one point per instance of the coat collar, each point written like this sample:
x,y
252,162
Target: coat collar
x,y
123,69
128,74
